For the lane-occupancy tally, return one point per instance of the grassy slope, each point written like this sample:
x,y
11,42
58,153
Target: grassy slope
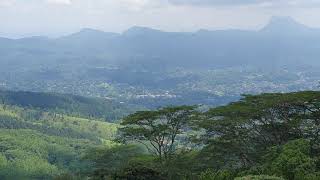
x,y
28,153
22,145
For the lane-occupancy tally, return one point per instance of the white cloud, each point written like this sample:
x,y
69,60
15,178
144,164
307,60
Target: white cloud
x,y
65,2
244,2
6,3
56,16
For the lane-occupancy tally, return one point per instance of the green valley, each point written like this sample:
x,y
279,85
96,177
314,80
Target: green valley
x,y
39,141
159,90
260,137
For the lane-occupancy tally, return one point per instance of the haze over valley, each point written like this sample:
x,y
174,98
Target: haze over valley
x,y
152,68
159,90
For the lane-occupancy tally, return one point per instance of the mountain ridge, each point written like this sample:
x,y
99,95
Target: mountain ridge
x,y
275,24
286,25
151,50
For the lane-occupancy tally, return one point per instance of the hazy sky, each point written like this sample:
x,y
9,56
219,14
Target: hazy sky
x,y
55,17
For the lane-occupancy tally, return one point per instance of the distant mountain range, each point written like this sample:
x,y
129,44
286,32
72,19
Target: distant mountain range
x,y
148,67
282,42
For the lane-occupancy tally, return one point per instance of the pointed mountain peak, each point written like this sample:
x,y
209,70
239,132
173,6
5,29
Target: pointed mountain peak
x,y
284,25
283,20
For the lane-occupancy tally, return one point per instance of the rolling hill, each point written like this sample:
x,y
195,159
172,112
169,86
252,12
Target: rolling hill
x,y
53,140
105,110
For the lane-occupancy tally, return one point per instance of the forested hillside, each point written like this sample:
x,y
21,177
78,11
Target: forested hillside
x,y
104,109
41,135
260,137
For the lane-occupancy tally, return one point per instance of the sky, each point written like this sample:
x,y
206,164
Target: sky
x,y
19,18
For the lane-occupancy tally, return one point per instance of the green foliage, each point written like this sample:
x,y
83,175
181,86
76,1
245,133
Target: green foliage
x,y
3,161
131,162
219,175
270,134
31,154
246,129
157,130
260,177
52,143
275,134
54,124
67,104
67,176
261,135
292,161
109,163
141,168
182,165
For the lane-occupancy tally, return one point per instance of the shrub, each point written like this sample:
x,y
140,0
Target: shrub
x,y
259,177
218,175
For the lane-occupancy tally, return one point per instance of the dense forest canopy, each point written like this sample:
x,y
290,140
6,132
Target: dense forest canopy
x,y
267,136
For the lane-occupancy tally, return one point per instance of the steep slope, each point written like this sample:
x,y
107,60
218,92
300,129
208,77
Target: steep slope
x,y
52,141
106,110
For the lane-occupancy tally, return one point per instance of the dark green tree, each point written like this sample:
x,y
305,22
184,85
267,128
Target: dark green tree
x,y
158,130
239,134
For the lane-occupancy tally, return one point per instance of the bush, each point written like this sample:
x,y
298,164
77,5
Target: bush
x,y
260,177
219,175
293,161
67,176
140,172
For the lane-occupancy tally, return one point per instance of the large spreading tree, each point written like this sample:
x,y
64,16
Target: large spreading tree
x,y
159,130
